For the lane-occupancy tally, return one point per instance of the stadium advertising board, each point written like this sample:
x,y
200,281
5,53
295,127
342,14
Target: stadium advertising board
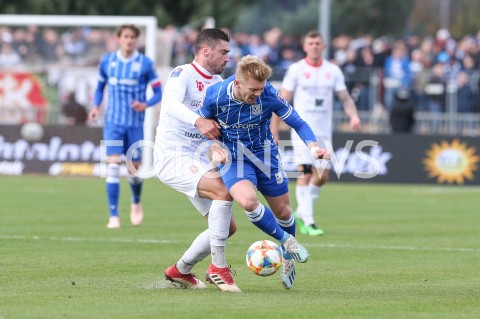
x,y
402,159
21,98
75,151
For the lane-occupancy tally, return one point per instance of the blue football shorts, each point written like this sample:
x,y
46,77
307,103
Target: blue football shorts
x,y
269,178
122,138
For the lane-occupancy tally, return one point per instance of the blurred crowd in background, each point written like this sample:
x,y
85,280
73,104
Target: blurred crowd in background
x,y
376,69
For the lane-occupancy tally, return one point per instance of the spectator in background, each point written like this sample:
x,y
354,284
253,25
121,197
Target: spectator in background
x,y
75,113
8,56
435,95
366,68
402,117
50,49
74,44
465,95
397,73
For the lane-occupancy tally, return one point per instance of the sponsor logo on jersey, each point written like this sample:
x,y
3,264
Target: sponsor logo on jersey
x,y
194,135
256,109
196,103
328,75
244,126
175,73
282,99
307,75
200,85
223,109
115,81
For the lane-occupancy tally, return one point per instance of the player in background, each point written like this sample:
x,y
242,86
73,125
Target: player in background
x,y
243,104
312,82
181,165
126,73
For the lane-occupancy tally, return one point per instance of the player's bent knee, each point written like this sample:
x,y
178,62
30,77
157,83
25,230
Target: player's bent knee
x,y
284,213
248,203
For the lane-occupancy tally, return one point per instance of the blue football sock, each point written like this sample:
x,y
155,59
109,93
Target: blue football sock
x,y
288,225
136,186
113,187
263,218
113,192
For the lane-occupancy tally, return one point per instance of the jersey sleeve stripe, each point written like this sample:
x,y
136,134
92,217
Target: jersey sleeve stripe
x,y
286,114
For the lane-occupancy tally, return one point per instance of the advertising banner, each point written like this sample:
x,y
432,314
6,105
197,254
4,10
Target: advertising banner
x,y
451,160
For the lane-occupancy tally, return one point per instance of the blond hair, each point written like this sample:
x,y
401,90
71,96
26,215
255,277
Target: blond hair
x,y
252,67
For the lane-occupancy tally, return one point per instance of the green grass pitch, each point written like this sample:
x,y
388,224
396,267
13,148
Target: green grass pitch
x,y
390,251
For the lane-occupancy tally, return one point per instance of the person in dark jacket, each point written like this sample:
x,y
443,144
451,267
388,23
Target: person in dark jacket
x,y
402,117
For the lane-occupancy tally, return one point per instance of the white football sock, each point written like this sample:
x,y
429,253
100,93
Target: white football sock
x,y
219,224
198,250
314,192
307,216
300,192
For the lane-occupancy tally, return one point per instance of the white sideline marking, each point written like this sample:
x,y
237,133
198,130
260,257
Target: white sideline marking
x,y
165,241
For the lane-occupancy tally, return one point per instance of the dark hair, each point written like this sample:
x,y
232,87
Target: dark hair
x,y
210,37
132,27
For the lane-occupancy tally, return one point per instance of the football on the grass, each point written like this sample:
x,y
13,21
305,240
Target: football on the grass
x,y
264,257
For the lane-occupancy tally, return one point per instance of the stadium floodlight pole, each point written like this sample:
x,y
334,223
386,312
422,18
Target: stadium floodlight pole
x,y
324,24
150,24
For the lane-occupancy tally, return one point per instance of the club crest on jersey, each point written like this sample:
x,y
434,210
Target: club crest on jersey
x,y
200,86
256,109
136,67
307,75
328,76
281,98
175,73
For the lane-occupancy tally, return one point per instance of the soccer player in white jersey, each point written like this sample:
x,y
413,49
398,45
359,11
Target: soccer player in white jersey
x,y
126,73
182,165
243,105
312,82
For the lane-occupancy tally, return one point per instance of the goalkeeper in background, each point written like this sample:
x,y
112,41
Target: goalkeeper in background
x,y
126,73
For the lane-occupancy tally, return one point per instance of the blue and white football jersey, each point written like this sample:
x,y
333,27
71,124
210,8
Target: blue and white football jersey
x,y
250,124
127,81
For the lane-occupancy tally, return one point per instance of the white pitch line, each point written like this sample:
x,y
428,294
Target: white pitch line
x,y
166,241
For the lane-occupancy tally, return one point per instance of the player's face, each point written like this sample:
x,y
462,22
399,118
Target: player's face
x,y
127,41
248,90
314,47
217,57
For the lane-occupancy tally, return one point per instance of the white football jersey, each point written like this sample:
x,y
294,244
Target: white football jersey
x,y
313,88
187,84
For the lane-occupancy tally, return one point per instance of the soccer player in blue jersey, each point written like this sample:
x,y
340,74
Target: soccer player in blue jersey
x,y
126,73
243,105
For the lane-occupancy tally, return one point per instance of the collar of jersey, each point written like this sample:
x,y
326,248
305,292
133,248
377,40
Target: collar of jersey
x,y
201,70
314,65
230,93
129,59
